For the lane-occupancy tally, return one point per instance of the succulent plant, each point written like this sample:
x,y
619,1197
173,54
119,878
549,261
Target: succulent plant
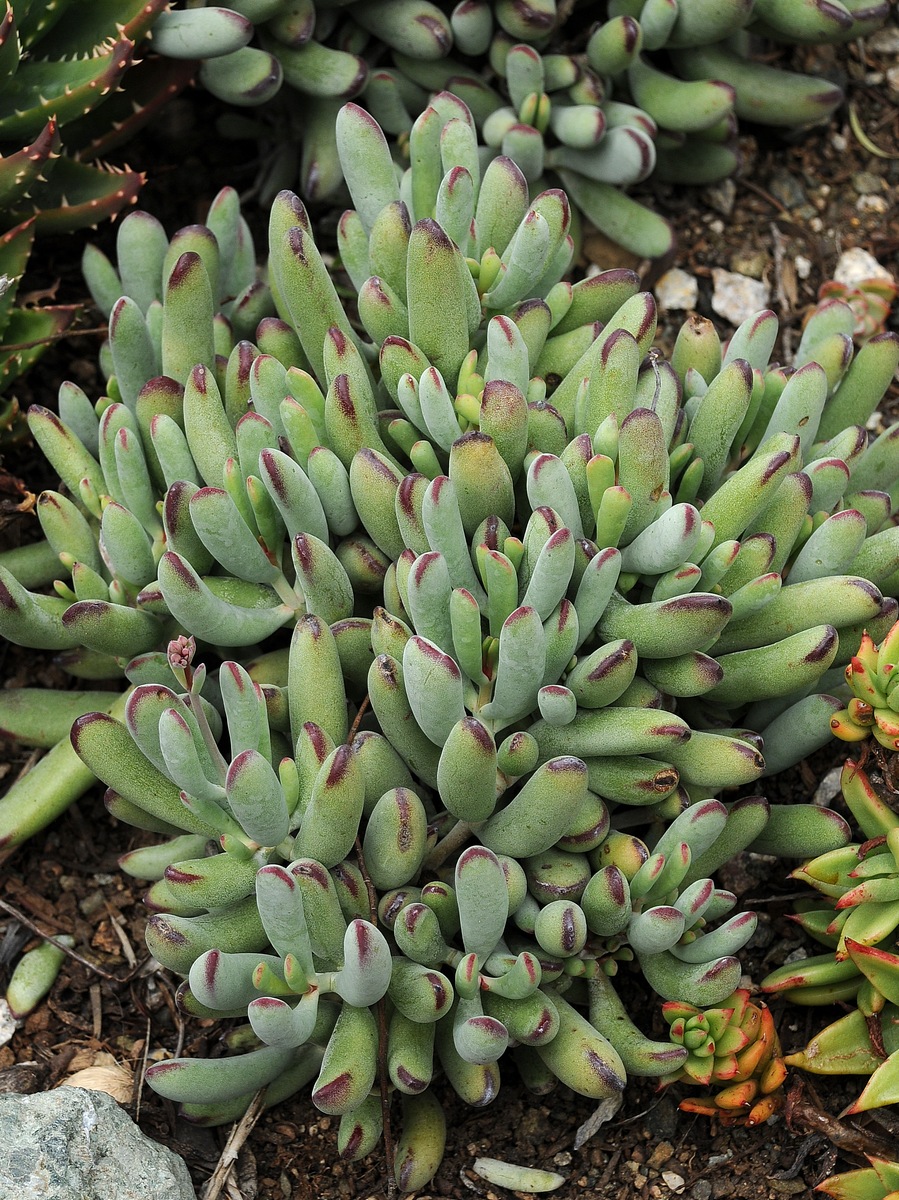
x,y
648,88
859,924
136,453
734,1045
870,300
880,1181
472,394
869,676
501,536
857,914
340,846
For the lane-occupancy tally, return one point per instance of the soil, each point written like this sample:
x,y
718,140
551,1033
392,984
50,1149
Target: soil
x,y
793,208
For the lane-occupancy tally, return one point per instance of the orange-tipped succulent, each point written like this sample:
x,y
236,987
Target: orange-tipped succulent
x,y
872,676
733,1049
869,299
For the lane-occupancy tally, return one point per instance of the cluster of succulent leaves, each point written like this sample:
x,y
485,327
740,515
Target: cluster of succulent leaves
x,y
596,98
734,1049
856,912
511,592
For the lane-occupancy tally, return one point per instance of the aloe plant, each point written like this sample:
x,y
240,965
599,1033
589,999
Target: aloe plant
x,y
77,82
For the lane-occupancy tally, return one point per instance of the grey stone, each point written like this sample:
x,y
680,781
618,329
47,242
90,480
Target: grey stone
x,y
866,182
721,196
787,189
71,1144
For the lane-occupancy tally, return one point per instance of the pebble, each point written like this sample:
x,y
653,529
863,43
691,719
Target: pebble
x,y
701,1190
856,265
893,80
737,297
884,41
677,289
754,264
721,196
803,266
660,1155
786,188
864,182
828,788
873,204
8,1023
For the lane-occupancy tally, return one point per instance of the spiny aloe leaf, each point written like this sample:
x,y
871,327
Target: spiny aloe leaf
x,y
147,86
95,24
40,90
30,329
79,195
15,248
20,170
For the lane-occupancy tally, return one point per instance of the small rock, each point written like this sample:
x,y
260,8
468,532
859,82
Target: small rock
x,y
70,1144
660,1155
893,80
796,955
754,264
856,265
864,182
884,41
8,1023
828,788
677,289
787,189
839,142
721,196
803,266
737,297
872,204
673,1181
701,1190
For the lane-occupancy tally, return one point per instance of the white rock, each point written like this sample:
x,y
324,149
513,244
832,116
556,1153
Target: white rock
x,y
872,203
857,264
885,41
803,266
677,289
737,297
8,1023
